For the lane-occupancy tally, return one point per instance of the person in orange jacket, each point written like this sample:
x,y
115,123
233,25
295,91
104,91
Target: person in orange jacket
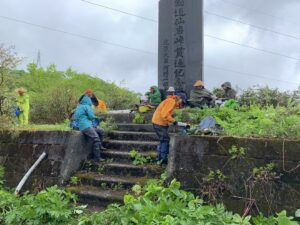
x,y
162,118
102,106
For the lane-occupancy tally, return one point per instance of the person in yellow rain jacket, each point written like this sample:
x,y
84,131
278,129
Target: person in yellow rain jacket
x,y
162,118
23,105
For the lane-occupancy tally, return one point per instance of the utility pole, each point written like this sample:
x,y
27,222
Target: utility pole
x,y
38,60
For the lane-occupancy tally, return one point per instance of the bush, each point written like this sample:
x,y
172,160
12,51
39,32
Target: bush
x,y
52,206
265,96
54,94
255,120
153,204
157,204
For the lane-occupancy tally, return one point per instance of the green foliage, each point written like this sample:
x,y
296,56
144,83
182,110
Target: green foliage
x,y
138,119
265,173
1,176
280,219
138,159
249,121
236,152
297,214
109,124
54,94
155,203
169,205
52,206
47,127
215,176
265,96
212,186
74,180
8,62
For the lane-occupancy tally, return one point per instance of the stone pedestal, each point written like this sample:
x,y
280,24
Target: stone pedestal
x,y
180,43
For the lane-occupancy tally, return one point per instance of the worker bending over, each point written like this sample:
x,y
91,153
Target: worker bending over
x,y
162,118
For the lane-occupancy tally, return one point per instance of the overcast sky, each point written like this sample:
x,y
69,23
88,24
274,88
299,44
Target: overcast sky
x,y
138,69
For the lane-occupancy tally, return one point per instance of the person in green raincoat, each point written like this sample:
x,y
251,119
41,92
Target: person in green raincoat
x,y
23,105
154,96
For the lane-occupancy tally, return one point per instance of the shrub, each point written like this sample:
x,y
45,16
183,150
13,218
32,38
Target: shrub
x,y
265,96
255,120
52,206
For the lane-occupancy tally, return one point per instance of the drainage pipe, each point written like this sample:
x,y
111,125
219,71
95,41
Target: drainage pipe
x,y
29,172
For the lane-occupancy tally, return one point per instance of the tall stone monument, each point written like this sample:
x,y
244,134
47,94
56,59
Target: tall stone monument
x,y
180,44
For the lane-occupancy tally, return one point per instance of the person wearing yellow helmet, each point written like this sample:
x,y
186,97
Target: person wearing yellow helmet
x,y
23,105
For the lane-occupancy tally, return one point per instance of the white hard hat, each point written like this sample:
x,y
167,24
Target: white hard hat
x,y
171,89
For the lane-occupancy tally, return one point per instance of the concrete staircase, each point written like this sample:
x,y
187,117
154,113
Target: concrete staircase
x,y
108,183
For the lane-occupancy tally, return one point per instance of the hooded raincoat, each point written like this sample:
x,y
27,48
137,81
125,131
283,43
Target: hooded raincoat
x,y
84,114
154,97
23,105
229,92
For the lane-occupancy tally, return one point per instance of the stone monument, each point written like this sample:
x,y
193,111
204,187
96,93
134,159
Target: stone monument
x,y
180,44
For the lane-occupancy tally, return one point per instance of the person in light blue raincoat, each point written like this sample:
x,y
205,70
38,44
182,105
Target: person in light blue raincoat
x,y
84,116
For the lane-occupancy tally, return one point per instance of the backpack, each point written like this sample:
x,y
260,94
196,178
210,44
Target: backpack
x,y
209,126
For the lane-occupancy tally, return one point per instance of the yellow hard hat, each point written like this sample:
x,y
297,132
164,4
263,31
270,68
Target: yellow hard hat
x,y
21,90
199,83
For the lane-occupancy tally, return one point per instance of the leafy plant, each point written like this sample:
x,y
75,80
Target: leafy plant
x,y
1,176
236,152
52,206
249,121
101,168
109,124
74,180
213,186
138,159
265,173
138,119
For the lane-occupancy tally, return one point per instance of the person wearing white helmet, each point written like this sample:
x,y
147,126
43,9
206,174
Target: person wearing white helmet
x,y
171,91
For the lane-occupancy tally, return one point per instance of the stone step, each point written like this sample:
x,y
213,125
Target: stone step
x,y
123,169
106,181
93,196
124,156
125,117
141,127
151,170
135,127
137,136
131,145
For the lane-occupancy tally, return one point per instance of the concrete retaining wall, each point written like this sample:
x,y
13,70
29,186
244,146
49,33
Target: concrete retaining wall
x,y
19,150
192,157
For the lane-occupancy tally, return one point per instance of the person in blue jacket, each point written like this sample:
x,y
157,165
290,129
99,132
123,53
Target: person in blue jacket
x,y
84,117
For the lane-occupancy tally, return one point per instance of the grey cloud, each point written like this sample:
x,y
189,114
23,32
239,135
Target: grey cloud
x,y
139,70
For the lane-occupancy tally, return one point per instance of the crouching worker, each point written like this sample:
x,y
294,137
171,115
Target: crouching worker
x,y
84,117
161,120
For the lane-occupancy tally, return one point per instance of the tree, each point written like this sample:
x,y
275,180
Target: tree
x,y
8,62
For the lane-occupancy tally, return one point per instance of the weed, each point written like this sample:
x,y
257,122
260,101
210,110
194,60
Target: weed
x,y
101,168
138,119
237,153
74,180
139,159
